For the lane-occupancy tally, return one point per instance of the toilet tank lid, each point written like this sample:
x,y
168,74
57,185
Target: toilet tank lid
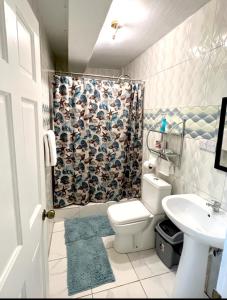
x,y
157,182
128,212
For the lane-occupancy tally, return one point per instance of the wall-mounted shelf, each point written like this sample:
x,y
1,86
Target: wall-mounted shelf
x,y
166,152
166,132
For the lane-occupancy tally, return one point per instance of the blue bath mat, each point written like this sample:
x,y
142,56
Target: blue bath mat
x,y
87,261
85,228
88,265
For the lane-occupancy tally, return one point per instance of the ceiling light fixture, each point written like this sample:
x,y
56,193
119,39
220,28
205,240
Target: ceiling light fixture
x,y
115,25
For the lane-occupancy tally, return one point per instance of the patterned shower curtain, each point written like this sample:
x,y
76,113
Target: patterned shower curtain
x,y
98,128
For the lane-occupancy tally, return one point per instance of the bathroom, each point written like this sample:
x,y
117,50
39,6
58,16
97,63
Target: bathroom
x,y
112,135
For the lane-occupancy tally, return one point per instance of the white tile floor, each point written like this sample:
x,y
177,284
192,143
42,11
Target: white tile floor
x,y
138,275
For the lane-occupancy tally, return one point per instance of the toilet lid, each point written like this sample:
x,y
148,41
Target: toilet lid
x,y
129,212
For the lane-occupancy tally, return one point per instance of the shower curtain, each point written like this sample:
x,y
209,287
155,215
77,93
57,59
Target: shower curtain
x,y
98,128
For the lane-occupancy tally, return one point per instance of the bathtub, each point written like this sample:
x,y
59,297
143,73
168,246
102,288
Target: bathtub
x,y
73,211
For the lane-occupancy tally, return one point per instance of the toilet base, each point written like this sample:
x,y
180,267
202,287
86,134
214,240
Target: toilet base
x,y
131,243
142,240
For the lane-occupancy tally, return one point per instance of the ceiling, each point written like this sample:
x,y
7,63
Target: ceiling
x,y
79,30
54,17
85,21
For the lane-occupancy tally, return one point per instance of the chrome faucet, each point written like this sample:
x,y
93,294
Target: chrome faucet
x,y
215,205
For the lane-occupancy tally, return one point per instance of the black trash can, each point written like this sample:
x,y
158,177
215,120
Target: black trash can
x,y
168,242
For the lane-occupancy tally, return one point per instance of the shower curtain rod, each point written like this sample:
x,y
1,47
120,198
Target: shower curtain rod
x,y
91,75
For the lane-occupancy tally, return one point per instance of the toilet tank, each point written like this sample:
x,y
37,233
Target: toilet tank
x,y
153,191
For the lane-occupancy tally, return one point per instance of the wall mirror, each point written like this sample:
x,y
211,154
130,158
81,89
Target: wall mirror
x,y
221,148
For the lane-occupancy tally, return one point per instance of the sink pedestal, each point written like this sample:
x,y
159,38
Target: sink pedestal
x,y
191,273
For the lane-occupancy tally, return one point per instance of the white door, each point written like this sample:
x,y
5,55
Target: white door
x,y
22,190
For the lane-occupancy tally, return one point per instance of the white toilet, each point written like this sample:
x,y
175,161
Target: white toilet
x,y
134,221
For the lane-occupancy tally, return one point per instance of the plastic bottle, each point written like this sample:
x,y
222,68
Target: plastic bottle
x,y
163,124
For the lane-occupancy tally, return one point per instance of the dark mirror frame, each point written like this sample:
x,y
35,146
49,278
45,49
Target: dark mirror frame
x,y
220,136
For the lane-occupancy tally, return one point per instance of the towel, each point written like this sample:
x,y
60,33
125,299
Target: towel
x,y
50,148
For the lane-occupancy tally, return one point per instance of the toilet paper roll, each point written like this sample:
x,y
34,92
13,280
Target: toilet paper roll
x,y
153,159
147,165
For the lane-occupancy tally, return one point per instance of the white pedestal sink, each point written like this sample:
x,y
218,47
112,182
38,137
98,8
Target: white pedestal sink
x,y
202,229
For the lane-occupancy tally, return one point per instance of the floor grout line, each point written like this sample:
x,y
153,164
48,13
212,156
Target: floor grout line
x,y
114,287
156,275
137,275
58,230
132,266
143,289
50,260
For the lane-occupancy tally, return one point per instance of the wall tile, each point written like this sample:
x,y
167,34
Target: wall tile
x,y
186,71
200,30
220,25
197,173
217,75
224,197
201,121
171,49
208,179
193,84
175,86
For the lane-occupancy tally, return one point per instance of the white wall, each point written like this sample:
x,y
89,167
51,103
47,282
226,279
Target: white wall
x,y
101,71
47,62
187,70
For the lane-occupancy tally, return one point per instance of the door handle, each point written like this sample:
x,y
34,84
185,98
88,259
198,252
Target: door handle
x,y
48,214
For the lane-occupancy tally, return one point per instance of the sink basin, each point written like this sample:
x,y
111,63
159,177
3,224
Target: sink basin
x,y
190,213
202,229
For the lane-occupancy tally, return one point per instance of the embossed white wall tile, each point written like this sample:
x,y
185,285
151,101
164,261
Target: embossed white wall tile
x,y
182,85
142,68
197,173
148,94
182,186
188,169
154,92
158,56
150,63
205,196
182,71
208,179
161,89
224,198
129,69
194,76
200,29
174,82
217,77
220,24
171,49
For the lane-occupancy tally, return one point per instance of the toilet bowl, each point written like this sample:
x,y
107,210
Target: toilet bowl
x,y
134,221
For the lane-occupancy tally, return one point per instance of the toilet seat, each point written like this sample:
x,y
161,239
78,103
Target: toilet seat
x,y
127,213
